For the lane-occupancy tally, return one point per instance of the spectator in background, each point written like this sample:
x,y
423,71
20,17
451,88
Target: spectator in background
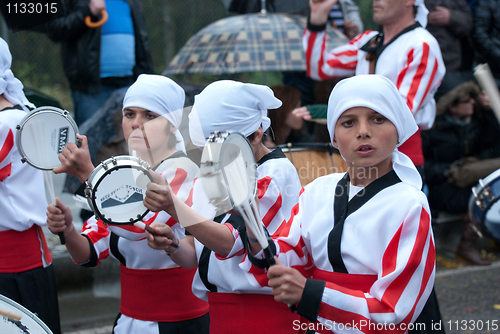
x,y
98,61
450,22
459,150
486,35
285,126
26,271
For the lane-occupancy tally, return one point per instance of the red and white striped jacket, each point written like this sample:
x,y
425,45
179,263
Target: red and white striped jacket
x,y
413,62
387,247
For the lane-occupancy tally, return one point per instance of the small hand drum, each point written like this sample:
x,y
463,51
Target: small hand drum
x,y
484,207
228,170
42,134
116,189
15,318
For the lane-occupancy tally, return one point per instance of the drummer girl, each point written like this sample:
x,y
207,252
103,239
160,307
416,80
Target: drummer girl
x,y
216,248
358,251
152,111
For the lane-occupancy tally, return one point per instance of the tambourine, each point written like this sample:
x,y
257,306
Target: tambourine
x,y
228,170
229,176
42,134
15,318
484,207
116,188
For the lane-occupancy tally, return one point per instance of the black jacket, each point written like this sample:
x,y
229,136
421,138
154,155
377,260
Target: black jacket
x,y
486,36
80,45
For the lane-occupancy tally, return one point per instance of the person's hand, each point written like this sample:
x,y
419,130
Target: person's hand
x,y
159,195
288,284
351,29
320,10
96,6
302,112
76,160
163,239
59,218
485,100
440,16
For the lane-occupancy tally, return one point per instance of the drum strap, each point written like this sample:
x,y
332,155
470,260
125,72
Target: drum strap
x,y
342,208
375,46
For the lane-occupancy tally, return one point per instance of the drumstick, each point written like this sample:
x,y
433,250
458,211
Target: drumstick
x,y
47,175
147,145
485,78
10,315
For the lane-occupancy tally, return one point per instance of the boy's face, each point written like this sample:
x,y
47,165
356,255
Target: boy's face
x,y
365,138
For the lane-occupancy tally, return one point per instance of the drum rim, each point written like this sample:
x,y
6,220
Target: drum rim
x,y
220,137
26,312
472,203
93,188
30,115
247,143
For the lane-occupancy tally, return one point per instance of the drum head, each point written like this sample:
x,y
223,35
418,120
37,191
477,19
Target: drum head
x,y
118,190
42,134
484,206
29,323
228,170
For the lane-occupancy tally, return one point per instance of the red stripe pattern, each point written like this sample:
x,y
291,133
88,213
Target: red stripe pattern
x,y
6,147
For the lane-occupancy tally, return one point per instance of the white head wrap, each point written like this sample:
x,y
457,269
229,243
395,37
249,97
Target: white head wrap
x,y
10,86
160,95
422,13
230,106
381,95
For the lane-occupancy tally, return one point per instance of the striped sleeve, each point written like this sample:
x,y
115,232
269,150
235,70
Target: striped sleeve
x,y
270,209
420,77
6,144
323,64
404,283
99,236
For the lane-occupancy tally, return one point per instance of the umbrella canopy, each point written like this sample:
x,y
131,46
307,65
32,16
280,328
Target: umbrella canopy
x,y
254,6
248,43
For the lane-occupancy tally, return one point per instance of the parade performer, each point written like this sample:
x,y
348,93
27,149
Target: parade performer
x,y
403,51
234,303
358,252
25,257
150,280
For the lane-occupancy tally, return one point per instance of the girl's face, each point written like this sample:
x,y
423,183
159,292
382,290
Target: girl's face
x,y
365,138
145,131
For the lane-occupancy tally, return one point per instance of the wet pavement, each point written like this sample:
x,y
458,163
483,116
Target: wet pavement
x,y
469,296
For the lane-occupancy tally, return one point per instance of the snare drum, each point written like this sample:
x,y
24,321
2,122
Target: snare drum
x,y
313,160
484,207
42,134
228,170
10,312
116,189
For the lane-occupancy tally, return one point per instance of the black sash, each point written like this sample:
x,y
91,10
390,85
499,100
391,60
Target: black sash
x,y
342,208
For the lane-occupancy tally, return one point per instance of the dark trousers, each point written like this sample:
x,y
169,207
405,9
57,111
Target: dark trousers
x,y
36,290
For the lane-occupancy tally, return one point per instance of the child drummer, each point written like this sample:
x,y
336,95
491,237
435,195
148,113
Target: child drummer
x,y
358,251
